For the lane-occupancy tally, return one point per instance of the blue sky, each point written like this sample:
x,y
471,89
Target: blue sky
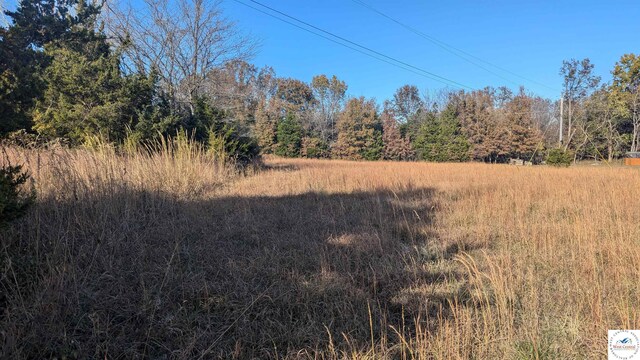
x,y
529,38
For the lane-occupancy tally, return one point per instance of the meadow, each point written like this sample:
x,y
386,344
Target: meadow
x,y
173,254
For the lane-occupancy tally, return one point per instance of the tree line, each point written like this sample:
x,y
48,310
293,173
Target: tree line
x,y
76,70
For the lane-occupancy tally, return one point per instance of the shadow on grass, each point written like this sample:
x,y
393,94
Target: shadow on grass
x,y
130,274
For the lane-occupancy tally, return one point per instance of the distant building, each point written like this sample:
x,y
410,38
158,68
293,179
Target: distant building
x,y
632,159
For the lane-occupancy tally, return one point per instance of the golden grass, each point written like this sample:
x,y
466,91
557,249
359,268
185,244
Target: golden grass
x,y
173,256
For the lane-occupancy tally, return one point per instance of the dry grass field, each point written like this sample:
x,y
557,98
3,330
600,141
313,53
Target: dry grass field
x,y
174,256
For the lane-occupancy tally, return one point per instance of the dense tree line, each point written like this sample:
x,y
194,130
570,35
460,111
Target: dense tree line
x,y
71,69
67,70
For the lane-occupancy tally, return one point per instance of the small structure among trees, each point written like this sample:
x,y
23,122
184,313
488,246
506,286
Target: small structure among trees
x,y
632,159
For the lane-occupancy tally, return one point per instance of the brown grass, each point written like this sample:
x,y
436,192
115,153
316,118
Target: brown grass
x,y
173,256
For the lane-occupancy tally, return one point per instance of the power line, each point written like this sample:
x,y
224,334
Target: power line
x,y
453,50
353,45
333,40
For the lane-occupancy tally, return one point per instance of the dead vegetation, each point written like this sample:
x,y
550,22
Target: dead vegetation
x,y
171,255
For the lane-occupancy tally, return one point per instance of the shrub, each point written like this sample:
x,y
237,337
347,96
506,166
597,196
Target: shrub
x,y
229,142
559,157
14,200
224,137
22,138
313,147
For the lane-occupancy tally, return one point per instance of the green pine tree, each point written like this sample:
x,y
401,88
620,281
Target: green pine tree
x,y
441,139
289,137
86,95
34,25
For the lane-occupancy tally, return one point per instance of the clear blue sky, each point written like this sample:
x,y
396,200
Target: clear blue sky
x,y
530,38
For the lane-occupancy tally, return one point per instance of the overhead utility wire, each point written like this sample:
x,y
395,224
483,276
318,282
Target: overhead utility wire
x,y
452,49
337,42
359,48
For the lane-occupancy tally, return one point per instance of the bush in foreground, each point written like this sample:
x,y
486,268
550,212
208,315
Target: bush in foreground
x,y
14,201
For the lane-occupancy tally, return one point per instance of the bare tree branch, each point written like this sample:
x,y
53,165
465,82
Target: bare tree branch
x,y
183,41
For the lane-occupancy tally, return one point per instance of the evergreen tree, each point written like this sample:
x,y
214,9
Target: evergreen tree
x,y
204,119
359,131
228,140
86,95
14,198
225,137
36,23
523,138
480,122
396,147
441,139
19,83
153,109
289,136
374,147
265,129
314,147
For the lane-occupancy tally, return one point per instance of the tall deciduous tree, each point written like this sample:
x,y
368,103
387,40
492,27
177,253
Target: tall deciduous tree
x,y
294,96
407,102
329,94
579,82
231,88
184,40
626,92
545,118
601,133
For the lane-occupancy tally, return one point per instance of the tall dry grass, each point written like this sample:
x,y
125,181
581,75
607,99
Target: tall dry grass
x,y
165,256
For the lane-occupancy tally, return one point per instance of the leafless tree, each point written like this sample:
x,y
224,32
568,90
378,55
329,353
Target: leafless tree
x,y
231,88
330,96
407,102
601,115
579,81
238,87
183,41
436,100
545,117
